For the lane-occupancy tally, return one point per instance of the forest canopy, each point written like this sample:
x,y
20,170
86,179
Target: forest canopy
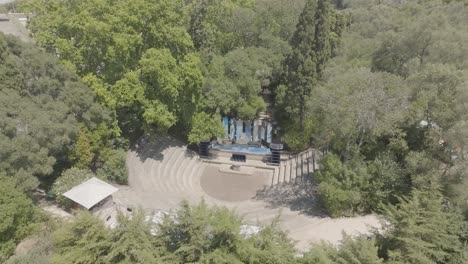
x,y
44,107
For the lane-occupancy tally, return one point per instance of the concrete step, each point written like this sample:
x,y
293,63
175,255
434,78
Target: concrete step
x,y
186,172
163,168
276,176
284,174
195,177
175,178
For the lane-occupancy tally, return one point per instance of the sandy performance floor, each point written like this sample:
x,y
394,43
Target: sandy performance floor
x,y
234,186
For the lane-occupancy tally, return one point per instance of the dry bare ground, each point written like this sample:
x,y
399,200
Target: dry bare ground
x,y
163,173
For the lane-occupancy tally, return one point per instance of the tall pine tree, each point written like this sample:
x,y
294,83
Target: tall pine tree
x,y
311,48
322,41
420,229
197,28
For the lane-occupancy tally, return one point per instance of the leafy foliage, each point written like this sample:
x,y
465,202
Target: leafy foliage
x,y
311,48
113,167
235,82
341,186
354,186
205,127
41,108
195,234
17,216
359,250
131,241
421,230
138,68
82,241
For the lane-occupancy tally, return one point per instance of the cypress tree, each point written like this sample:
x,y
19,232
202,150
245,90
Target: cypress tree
x,y
311,48
322,43
197,26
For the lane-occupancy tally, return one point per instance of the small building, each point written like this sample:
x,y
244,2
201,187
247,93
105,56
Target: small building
x,y
90,193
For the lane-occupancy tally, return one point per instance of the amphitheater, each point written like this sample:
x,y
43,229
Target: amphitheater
x,y
165,172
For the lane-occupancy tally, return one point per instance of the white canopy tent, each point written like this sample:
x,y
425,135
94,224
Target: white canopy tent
x,y
90,192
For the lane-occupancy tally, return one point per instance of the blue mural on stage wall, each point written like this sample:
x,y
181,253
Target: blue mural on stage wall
x,y
262,133
256,131
232,131
239,125
226,126
269,130
248,130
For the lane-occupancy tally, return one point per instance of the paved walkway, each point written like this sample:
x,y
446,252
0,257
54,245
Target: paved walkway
x,y
163,173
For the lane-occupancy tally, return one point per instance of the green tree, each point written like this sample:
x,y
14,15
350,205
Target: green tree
x,y
205,127
84,240
17,216
132,242
197,231
356,186
217,27
455,185
357,107
113,166
387,182
212,235
355,250
51,104
143,70
436,89
342,186
82,154
420,229
198,29
270,245
310,50
235,81
278,17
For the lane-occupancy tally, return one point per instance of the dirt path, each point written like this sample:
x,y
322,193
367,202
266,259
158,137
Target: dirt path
x,y
163,173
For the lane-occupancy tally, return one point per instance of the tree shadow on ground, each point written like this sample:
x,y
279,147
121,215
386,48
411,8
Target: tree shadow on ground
x,y
147,148
301,196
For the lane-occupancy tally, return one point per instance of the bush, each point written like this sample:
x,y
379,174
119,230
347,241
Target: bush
x,y
352,250
356,186
205,127
114,167
339,202
341,186
17,216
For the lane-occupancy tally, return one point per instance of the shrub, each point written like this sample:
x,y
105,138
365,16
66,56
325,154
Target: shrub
x,y
17,216
114,167
341,186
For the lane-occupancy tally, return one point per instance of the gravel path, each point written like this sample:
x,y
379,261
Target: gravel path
x,y
163,173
